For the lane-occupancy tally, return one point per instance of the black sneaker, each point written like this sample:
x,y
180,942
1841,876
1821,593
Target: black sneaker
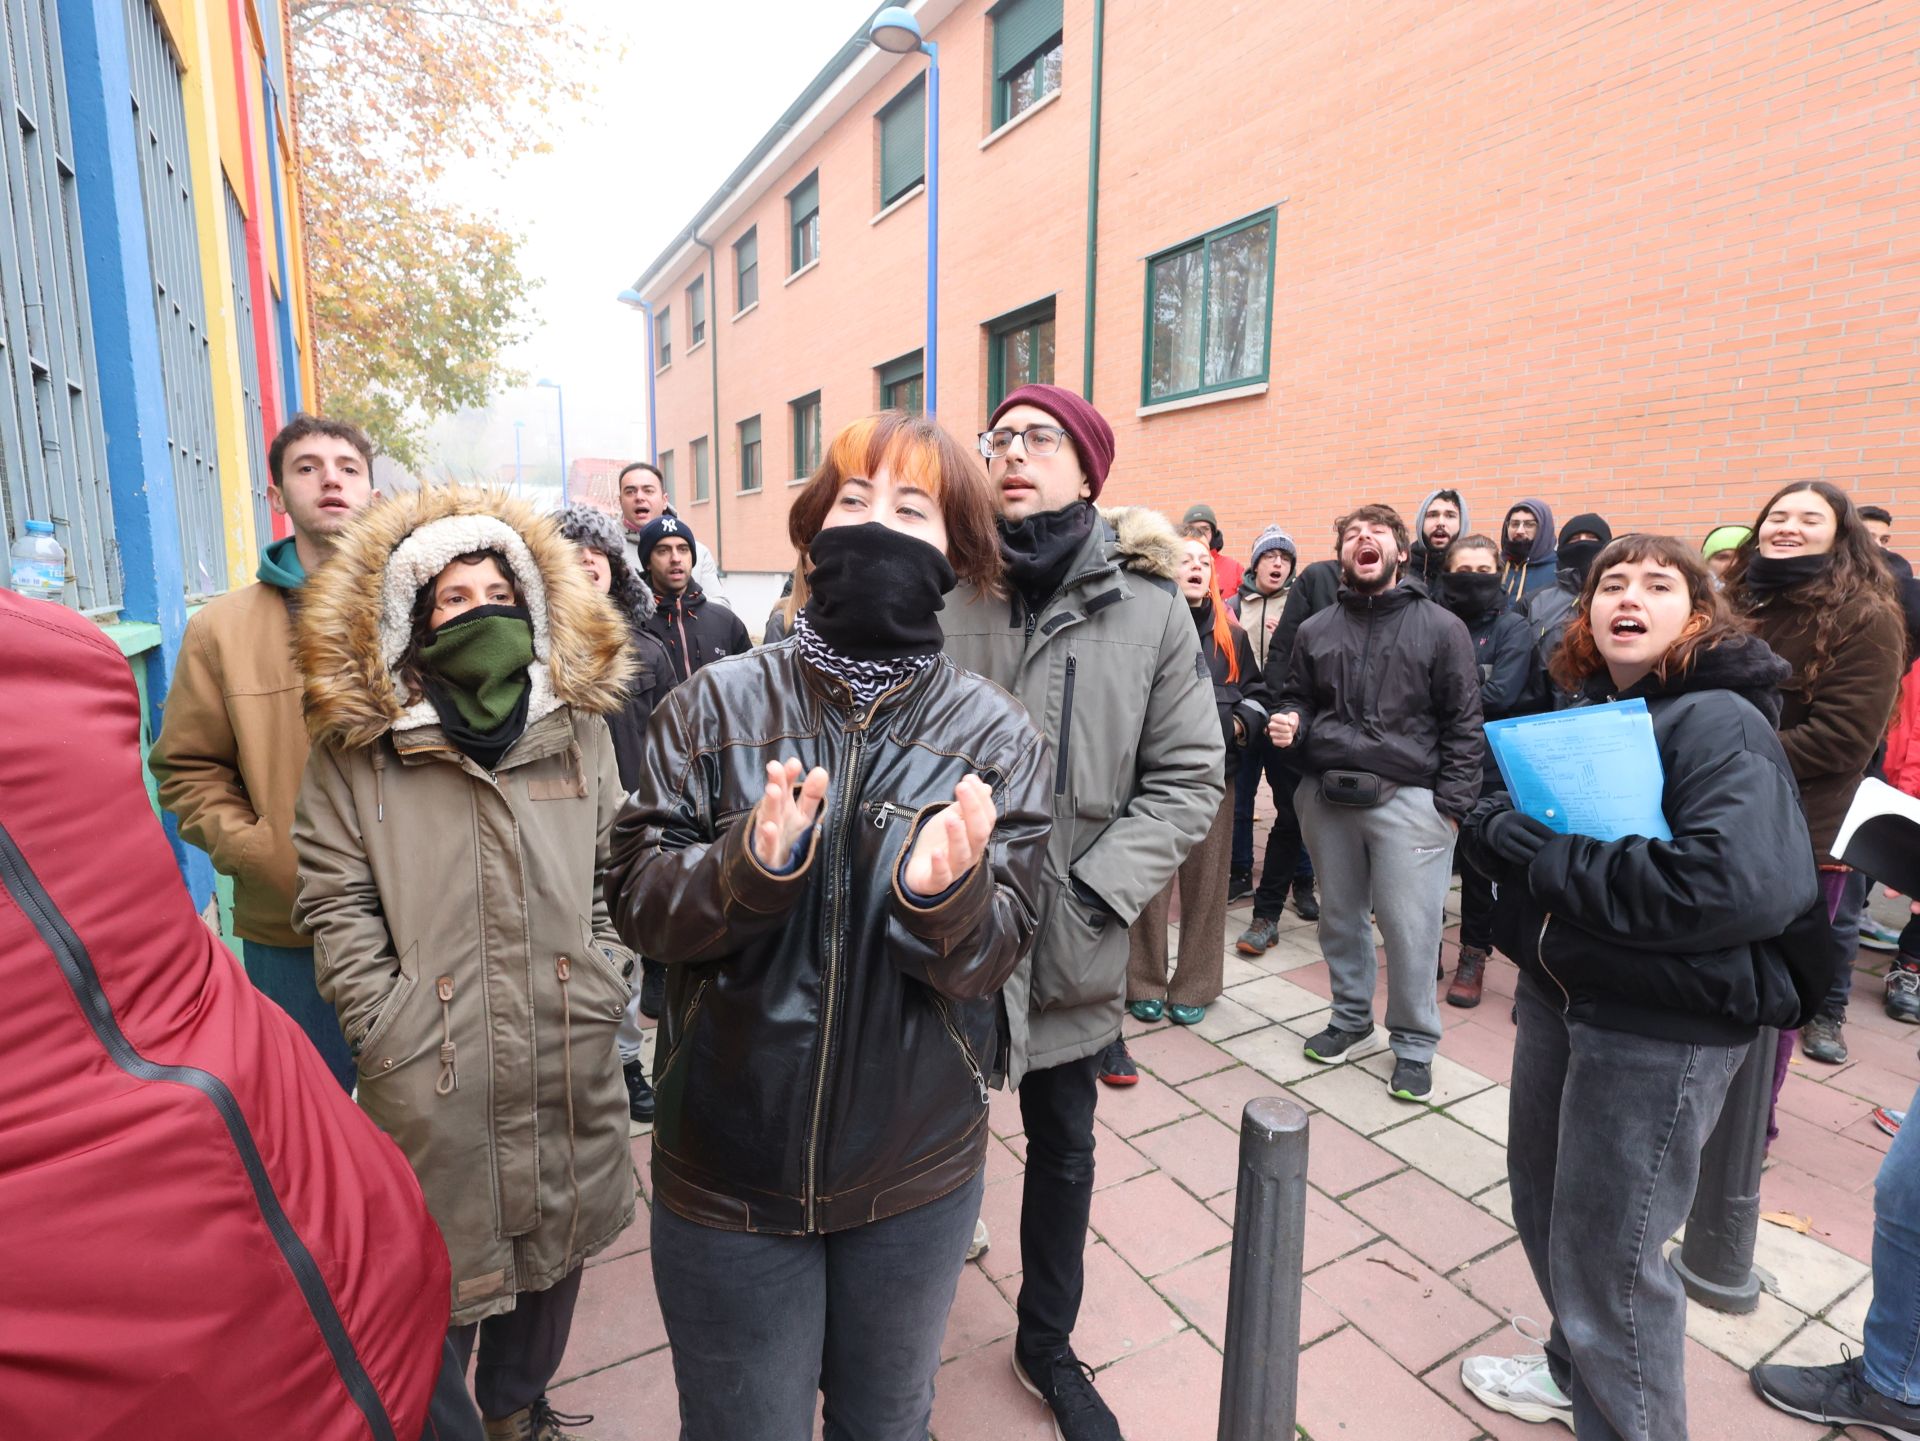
x,y
640,1103
1334,1045
1412,1080
1836,1395
653,989
1260,937
1239,886
1305,904
1064,1384
1822,1039
1903,990
1116,1066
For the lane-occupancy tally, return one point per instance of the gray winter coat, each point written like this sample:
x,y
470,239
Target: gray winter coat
x,y
1111,672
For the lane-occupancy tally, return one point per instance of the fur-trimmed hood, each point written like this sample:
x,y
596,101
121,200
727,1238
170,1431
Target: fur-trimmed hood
x,y
1144,541
356,612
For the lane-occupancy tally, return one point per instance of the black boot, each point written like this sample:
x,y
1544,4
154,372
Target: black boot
x,y
640,1102
1305,904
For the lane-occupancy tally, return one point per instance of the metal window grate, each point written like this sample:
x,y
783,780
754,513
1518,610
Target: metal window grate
x,y
249,365
53,445
179,302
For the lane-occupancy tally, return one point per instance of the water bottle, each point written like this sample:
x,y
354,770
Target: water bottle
x,y
39,563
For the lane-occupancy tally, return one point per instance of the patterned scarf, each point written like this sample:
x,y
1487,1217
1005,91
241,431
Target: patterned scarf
x,y
867,679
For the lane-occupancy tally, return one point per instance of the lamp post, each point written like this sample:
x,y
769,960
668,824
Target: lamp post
x,y
896,31
639,302
561,396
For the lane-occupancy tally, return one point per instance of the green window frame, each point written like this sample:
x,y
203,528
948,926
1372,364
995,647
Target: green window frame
x,y
697,312
803,223
746,270
702,477
1027,55
903,383
903,142
1209,312
805,415
663,337
750,455
666,474
1019,350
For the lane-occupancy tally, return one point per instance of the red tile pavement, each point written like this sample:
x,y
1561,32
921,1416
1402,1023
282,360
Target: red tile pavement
x,y
1401,1304
1199,1291
1000,1209
1332,1231
1133,1109
1824,1105
1503,1282
1340,1159
1842,1219
1122,1314
1175,1054
1200,1153
1113,1159
1225,1094
1352,1389
980,1315
977,1399
637,1400
1428,1220
1480,1048
1169,1393
1836,1158
617,1318
1154,1225
1721,1405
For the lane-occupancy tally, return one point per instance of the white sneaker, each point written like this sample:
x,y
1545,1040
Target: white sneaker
x,y
978,1247
1521,1386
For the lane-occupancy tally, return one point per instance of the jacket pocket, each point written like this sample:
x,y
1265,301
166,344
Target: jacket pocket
x,y
370,1049
618,985
682,1030
1081,957
974,1073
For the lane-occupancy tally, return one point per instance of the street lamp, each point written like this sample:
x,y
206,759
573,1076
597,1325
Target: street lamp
x,y
561,396
895,31
639,302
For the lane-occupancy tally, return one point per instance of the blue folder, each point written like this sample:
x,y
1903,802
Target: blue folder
x,y
1591,771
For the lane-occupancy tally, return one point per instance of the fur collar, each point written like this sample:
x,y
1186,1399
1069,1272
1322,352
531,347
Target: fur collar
x,y
354,618
1144,541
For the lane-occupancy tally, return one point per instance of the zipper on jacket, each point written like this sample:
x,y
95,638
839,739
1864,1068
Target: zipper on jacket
x,y
966,1051
1061,770
883,813
677,1042
449,1080
76,967
1540,955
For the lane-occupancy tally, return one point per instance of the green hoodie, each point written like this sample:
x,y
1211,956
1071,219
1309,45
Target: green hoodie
x,y
280,565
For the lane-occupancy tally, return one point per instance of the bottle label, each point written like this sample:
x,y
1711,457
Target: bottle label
x,y
39,578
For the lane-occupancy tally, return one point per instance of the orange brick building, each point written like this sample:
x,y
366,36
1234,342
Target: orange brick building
x,y
1646,260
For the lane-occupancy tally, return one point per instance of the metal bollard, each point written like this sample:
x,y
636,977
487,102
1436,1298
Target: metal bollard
x,y
1260,1376
1715,1262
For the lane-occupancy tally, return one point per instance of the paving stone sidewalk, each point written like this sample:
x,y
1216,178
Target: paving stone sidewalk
x,y
1411,1257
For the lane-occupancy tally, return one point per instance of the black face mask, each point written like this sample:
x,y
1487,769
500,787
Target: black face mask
x,y
873,592
1579,555
1470,593
1518,549
1039,549
1766,573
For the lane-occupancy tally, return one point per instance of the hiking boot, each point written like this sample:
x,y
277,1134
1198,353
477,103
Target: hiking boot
x,y
1064,1384
1903,990
1836,1395
1468,977
653,989
981,1242
1822,1039
1520,1386
1412,1080
538,1422
1186,1015
1116,1066
1239,886
1147,1010
1334,1045
1260,937
1305,904
640,1103
1877,937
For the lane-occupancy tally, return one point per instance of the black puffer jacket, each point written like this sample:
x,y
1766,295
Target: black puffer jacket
x,y
1656,937
1389,684
653,677
696,630
826,1044
1315,589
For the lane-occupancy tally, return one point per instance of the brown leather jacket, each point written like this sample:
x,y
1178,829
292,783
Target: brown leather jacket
x,y
826,1045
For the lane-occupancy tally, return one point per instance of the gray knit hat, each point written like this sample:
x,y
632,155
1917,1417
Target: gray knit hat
x,y
591,526
1273,538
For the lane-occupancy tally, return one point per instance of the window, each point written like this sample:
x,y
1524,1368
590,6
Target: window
x,y
903,142
666,474
663,337
750,455
251,409
903,384
803,223
1026,56
1019,351
746,270
696,312
702,482
806,435
1207,311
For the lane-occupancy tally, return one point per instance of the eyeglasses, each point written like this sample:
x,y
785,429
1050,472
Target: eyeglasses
x,y
1035,440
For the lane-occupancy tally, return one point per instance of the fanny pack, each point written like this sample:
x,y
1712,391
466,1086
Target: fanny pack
x,y
1359,789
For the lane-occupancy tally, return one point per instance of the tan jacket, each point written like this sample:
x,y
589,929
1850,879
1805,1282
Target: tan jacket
x,y
231,750
457,916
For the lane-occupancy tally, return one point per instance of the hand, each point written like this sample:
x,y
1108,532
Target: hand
x,y
1515,837
1239,731
952,838
1273,622
782,818
1283,727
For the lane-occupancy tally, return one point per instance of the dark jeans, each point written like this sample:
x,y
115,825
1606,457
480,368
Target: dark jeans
x,y
1287,858
760,1325
451,1415
1605,1130
1056,1108
520,1351
1846,939
284,975
1476,908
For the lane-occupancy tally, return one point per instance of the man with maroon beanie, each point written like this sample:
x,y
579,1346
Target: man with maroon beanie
x,y
1100,647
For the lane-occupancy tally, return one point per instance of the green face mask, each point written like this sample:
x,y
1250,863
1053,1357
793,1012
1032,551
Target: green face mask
x,y
480,658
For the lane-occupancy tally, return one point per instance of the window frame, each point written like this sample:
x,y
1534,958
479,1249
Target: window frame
x,y
665,464
796,220
1002,112
998,329
892,373
752,456
700,448
1204,242
662,338
696,313
915,89
804,466
740,273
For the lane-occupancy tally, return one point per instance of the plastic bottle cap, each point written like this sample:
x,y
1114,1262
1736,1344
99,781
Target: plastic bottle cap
x,y
39,527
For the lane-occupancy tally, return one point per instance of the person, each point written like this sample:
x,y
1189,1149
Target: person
x,y
231,748
1722,544
838,848
694,628
1240,695
1527,545
1811,583
453,829
1382,707
1202,522
643,500
1879,523
1440,521
1548,611
204,1236
1261,602
1096,643
1902,767
1511,683
603,556
780,618
1643,983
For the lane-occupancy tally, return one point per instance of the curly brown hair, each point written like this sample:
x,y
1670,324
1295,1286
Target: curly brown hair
x,y
1712,621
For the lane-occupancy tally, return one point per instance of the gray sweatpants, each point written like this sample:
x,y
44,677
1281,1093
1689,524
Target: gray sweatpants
x,y
1395,860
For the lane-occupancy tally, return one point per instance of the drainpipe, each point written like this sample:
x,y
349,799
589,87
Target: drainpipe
x,y
1093,190
713,356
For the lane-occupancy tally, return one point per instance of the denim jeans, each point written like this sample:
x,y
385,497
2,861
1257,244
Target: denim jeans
x,y
284,975
1056,1197
760,1325
1893,1320
1846,912
1286,856
1603,1153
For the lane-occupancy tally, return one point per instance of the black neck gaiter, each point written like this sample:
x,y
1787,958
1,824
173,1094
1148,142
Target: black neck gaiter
x,y
1470,594
1039,549
1767,574
874,593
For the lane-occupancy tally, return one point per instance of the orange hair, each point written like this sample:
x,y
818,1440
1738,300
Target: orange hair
x,y
1223,623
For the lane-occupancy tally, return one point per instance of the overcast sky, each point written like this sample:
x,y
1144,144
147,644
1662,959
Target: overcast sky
x,y
668,123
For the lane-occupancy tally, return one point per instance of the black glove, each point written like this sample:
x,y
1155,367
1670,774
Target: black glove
x,y
1515,837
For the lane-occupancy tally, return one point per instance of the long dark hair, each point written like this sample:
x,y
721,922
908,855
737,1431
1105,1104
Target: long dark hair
x,y
409,667
1855,578
1711,622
